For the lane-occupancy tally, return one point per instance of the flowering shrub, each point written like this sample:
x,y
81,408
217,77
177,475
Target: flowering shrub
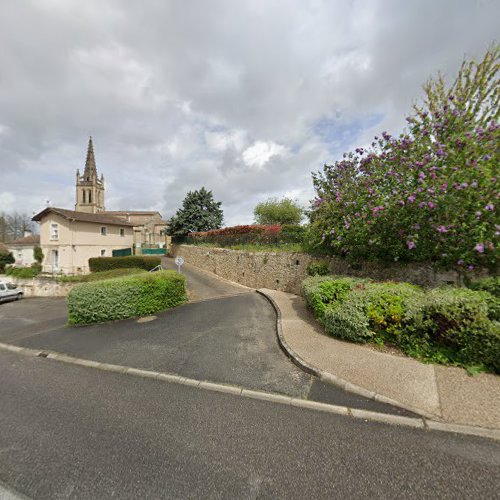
x,y
259,234
431,194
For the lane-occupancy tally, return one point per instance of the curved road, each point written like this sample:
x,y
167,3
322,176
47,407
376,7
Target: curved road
x,y
74,432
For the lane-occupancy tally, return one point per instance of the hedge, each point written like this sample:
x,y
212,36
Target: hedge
x,y
444,325
253,234
106,263
100,275
126,297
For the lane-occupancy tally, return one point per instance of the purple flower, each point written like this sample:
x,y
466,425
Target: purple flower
x,y
479,248
431,205
474,184
411,245
332,231
464,185
417,226
339,237
422,204
444,186
411,198
442,229
490,207
460,262
478,214
323,236
470,267
486,157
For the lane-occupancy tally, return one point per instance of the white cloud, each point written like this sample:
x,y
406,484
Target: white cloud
x,y
245,98
261,152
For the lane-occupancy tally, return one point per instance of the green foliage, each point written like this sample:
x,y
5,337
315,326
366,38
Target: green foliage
x,y
274,211
101,275
38,254
5,259
318,269
443,325
97,264
24,272
125,297
491,285
199,212
429,194
321,291
292,233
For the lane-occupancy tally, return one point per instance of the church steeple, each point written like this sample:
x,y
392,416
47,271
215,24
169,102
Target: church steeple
x,y
89,188
90,166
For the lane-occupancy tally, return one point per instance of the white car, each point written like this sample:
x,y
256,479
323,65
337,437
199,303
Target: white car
x,y
9,291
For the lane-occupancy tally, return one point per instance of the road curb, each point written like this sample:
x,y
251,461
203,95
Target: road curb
x,y
420,423
428,419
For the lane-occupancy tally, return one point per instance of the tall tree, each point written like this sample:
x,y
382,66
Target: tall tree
x,y
273,211
199,212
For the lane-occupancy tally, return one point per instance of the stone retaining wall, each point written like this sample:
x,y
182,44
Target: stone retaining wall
x,y
285,271
40,287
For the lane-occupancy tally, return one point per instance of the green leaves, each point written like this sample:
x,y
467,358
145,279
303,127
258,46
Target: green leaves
x,y
199,212
274,211
121,298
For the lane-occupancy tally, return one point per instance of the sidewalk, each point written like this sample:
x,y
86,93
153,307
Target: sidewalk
x,y
442,393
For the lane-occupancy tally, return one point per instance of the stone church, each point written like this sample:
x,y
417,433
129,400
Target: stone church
x,y
69,238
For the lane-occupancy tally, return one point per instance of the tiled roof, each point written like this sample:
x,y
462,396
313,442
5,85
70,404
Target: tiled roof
x,y
26,241
82,217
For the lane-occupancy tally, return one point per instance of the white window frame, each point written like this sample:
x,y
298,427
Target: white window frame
x,y
104,231
54,231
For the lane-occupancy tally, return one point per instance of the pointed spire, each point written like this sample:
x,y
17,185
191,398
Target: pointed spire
x,y
90,167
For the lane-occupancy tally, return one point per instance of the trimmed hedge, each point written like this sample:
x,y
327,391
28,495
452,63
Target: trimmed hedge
x,y
126,297
101,275
444,325
97,264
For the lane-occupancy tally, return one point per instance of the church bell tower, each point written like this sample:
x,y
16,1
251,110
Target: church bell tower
x,y
89,188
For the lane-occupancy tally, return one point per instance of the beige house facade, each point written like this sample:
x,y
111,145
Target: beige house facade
x,y
22,249
69,239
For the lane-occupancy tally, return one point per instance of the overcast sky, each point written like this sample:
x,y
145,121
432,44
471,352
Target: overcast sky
x,y
244,97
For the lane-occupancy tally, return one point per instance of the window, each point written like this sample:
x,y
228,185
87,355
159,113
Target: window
x,y
54,231
103,253
104,231
122,231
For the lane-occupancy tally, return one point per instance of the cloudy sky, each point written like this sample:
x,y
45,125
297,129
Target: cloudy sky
x,y
244,97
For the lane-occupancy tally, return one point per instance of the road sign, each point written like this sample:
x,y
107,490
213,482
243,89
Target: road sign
x,y
179,261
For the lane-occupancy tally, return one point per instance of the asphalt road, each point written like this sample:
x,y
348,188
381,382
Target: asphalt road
x,y
73,432
230,339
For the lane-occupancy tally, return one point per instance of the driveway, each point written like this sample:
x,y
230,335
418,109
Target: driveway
x,y
226,335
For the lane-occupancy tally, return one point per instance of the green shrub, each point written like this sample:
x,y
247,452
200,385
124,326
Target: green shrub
x,y
38,254
126,297
5,258
24,272
292,233
318,269
97,264
491,285
101,275
455,322
444,325
321,291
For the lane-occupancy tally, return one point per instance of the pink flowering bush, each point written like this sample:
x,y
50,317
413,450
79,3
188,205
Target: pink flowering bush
x,y
431,194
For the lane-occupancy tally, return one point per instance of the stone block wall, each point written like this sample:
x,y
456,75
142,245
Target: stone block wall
x,y
41,287
285,271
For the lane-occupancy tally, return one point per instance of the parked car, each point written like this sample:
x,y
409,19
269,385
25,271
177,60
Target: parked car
x,y
9,291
